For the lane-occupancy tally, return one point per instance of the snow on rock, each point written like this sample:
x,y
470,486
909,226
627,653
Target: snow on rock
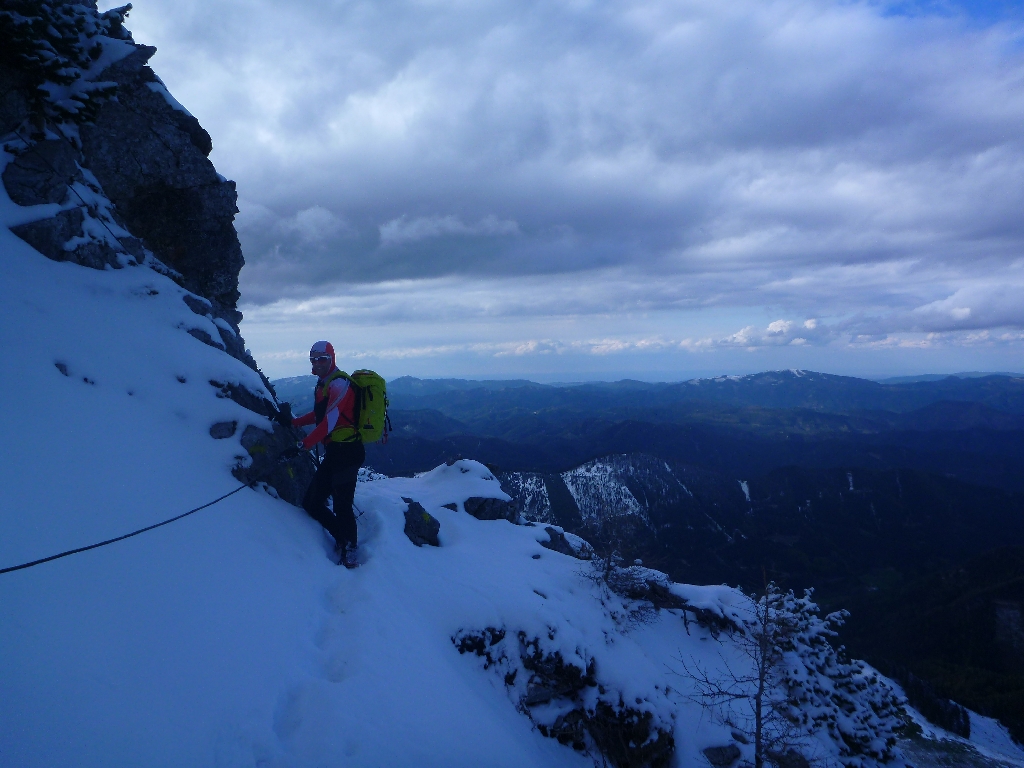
x,y
992,739
530,494
599,492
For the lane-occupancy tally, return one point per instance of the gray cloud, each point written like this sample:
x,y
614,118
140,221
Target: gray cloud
x,y
805,158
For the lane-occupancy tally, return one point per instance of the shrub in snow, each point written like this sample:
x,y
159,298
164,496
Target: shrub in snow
x,y
792,693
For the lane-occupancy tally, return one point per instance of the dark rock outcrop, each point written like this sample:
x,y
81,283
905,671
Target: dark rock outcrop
x,y
557,542
624,736
628,738
203,336
551,677
420,526
289,478
481,643
721,757
52,236
491,509
151,159
42,175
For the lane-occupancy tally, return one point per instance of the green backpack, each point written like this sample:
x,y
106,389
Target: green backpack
x,y
371,406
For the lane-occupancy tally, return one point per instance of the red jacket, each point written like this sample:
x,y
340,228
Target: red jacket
x,y
337,407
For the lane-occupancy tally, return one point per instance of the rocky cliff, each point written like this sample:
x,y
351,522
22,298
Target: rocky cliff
x,y
114,173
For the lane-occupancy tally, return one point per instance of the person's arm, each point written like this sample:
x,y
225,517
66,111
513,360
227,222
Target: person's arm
x,y
304,420
339,395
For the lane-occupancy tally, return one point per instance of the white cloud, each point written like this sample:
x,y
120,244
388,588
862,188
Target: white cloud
x,y
403,230
315,225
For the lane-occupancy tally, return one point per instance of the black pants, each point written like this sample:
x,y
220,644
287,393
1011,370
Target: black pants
x,y
336,477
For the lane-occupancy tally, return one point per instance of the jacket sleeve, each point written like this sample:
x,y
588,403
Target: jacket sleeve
x,y
339,394
305,420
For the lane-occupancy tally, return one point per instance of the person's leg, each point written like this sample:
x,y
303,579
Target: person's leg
x,y
350,459
315,500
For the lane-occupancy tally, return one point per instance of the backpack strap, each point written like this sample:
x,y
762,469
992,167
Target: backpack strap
x,y
358,393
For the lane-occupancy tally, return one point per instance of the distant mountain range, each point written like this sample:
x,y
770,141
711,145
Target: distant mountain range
x,y
941,376
774,389
970,428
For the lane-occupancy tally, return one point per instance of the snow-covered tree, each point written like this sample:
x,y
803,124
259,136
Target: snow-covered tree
x,y
793,694
845,704
54,45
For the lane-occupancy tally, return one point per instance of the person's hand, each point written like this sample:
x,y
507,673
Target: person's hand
x,y
292,451
284,415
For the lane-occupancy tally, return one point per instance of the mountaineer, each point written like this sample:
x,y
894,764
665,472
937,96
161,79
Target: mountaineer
x,y
335,414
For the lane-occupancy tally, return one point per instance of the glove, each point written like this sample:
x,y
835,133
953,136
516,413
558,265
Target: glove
x,y
284,416
289,453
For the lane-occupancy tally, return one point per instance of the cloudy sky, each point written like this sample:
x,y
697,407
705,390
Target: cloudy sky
x,y
568,189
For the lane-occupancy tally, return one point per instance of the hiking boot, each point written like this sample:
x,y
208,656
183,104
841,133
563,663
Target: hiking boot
x,y
347,556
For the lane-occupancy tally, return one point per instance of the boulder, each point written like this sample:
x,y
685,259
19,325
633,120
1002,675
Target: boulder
x,y
559,542
223,429
290,478
721,757
50,237
491,509
420,526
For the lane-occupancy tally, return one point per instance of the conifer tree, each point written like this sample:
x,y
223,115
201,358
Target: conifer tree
x,y
793,694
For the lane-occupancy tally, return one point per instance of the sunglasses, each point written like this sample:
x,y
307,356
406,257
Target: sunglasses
x,y
323,359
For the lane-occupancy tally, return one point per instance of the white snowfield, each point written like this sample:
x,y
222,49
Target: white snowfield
x,y
229,638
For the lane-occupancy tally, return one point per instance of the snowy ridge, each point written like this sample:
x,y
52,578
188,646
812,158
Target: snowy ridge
x,y
530,493
599,491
